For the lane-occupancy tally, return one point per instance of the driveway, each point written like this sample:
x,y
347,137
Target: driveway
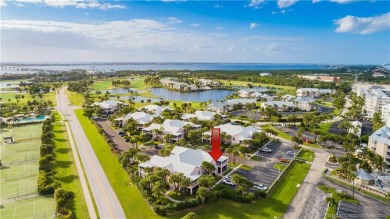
x,y
119,142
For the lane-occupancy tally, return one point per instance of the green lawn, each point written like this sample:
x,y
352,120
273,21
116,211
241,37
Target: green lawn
x,y
133,204
102,85
324,127
75,98
280,166
337,197
5,97
307,155
66,170
285,89
274,205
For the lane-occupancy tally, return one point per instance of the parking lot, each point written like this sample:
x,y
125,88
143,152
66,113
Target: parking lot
x,y
262,171
348,210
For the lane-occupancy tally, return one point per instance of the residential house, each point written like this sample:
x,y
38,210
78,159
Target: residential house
x,y
313,92
186,161
288,97
279,105
304,103
219,107
155,109
110,106
173,127
201,115
141,118
237,134
379,142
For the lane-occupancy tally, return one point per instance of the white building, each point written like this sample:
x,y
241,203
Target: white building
x,y
201,115
288,97
304,103
313,92
356,128
385,112
155,109
278,105
240,101
141,118
173,127
218,107
237,133
265,74
376,98
110,106
186,161
379,142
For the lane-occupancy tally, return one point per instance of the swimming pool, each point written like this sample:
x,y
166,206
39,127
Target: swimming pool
x,y
32,119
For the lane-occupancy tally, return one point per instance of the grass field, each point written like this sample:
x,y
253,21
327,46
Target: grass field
x,y
75,99
66,170
102,85
285,89
324,127
27,97
133,204
19,177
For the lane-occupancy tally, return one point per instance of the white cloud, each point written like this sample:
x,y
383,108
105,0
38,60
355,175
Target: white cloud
x,y
174,20
284,11
341,1
135,40
252,25
363,25
286,3
256,3
218,6
75,3
3,3
315,1
18,4
195,25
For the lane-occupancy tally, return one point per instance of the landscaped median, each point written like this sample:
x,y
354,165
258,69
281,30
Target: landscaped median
x,y
133,204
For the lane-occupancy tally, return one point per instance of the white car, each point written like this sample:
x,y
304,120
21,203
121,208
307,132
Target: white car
x,y
291,153
265,149
228,182
260,187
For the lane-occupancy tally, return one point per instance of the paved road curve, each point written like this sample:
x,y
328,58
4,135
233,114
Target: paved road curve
x,y
106,201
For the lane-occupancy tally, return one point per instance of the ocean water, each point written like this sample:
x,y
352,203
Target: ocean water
x,y
21,68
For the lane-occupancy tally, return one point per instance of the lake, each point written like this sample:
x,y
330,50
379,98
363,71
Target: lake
x,y
198,96
119,90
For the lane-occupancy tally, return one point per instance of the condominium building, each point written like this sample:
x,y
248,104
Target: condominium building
x,y
379,142
375,99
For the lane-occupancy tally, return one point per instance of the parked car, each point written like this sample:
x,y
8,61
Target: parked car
x,y
265,149
284,160
260,187
228,182
291,153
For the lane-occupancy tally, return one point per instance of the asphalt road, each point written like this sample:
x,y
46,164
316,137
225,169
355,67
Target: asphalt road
x,y
106,200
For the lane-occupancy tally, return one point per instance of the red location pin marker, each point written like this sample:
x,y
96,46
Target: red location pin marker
x,y
215,152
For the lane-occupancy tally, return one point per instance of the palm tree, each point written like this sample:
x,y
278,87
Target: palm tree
x,y
184,183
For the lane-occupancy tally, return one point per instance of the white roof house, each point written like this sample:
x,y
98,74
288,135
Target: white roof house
x,y
183,160
280,105
140,117
356,125
156,109
201,115
314,92
169,126
110,106
288,97
240,101
218,107
304,103
238,133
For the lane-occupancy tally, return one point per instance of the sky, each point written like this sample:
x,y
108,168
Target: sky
x,y
253,31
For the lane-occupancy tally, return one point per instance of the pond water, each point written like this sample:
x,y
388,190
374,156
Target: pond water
x,y
120,90
198,96
138,98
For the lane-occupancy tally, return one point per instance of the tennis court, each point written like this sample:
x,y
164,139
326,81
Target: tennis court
x,y
40,207
19,195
